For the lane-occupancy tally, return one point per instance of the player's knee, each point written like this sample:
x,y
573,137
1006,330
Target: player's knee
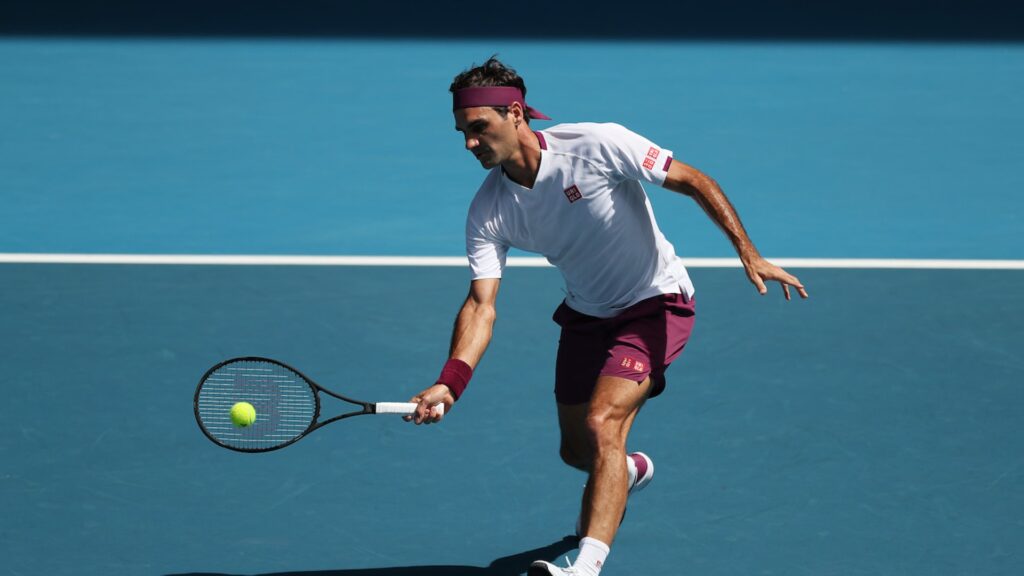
x,y
605,430
574,456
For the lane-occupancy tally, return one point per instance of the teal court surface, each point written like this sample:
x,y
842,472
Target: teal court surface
x,y
872,429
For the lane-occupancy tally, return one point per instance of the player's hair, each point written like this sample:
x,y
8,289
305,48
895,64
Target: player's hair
x,y
490,73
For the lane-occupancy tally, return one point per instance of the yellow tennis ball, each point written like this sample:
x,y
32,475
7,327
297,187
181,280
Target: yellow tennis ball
x,y
243,414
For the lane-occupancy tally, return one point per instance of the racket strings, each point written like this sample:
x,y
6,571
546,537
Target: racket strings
x,y
285,404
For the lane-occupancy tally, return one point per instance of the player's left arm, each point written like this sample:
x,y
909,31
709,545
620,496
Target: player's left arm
x,y
691,182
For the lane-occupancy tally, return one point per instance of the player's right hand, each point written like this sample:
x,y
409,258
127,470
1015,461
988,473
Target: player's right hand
x,y
427,400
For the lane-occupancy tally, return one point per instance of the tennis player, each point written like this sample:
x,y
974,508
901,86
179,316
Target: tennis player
x,y
573,193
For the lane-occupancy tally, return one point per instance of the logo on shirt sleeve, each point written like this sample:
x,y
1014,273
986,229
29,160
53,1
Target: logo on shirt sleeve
x,y
652,155
573,193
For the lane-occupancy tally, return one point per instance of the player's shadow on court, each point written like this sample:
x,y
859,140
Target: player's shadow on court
x,y
513,565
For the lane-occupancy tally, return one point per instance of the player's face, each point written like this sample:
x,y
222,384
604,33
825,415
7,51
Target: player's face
x,y
491,138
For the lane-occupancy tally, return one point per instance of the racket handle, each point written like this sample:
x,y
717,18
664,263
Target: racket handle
x,y
403,408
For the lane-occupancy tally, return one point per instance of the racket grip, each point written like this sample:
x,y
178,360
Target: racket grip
x,y
403,408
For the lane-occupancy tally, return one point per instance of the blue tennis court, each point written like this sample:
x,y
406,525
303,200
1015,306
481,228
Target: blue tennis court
x,y
873,429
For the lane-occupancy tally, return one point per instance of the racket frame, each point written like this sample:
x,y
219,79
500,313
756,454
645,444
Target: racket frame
x,y
365,407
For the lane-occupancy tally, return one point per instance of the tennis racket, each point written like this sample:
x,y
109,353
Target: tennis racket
x,y
287,404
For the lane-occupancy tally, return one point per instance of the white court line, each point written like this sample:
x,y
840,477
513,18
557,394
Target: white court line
x,y
460,261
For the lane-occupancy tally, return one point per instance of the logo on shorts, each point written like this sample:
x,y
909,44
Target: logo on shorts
x,y
573,193
635,365
652,155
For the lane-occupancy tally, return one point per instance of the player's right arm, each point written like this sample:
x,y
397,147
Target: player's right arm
x,y
471,334
475,323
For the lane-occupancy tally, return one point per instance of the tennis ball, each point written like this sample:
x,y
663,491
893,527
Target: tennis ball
x,y
243,414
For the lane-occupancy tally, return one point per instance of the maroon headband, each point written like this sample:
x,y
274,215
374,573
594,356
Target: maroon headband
x,y
493,96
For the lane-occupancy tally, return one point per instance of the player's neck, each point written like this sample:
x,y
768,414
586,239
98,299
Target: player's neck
x,y
523,166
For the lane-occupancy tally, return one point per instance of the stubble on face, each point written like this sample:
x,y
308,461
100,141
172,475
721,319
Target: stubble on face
x,y
481,129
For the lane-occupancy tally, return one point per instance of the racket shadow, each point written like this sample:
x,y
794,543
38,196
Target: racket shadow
x,y
512,565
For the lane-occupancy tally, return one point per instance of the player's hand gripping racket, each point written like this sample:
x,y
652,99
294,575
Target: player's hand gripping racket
x,y
287,404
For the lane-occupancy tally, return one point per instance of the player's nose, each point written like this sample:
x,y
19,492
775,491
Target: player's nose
x,y
471,143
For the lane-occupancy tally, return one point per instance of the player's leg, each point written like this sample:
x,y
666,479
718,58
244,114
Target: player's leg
x,y
582,352
605,371
647,338
577,450
610,415
594,439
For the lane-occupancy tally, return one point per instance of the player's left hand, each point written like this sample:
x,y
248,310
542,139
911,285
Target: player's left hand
x,y
760,271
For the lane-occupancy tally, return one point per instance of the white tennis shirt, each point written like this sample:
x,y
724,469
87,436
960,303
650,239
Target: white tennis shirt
x,y
587,213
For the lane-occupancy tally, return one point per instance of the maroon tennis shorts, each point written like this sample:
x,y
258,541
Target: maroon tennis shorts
x,y
641,341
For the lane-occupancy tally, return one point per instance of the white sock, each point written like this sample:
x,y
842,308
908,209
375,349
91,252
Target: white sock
x,y
592,556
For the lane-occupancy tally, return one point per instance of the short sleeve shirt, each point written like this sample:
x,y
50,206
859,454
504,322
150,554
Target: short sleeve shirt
x,y
587,213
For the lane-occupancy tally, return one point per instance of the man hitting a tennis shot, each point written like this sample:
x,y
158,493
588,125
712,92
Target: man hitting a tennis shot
x,y
573,193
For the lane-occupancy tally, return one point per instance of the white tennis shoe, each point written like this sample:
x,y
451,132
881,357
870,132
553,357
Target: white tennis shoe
x,y
641,468
542,568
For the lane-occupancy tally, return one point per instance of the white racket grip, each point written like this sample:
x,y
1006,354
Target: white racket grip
x,y
403,408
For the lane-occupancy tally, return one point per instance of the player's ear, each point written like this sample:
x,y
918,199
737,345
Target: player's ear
x,y
515,110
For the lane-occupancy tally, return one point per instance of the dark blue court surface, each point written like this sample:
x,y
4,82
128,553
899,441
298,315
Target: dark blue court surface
x,y
873,429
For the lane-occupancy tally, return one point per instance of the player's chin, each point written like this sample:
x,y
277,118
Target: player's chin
x,y
486,160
